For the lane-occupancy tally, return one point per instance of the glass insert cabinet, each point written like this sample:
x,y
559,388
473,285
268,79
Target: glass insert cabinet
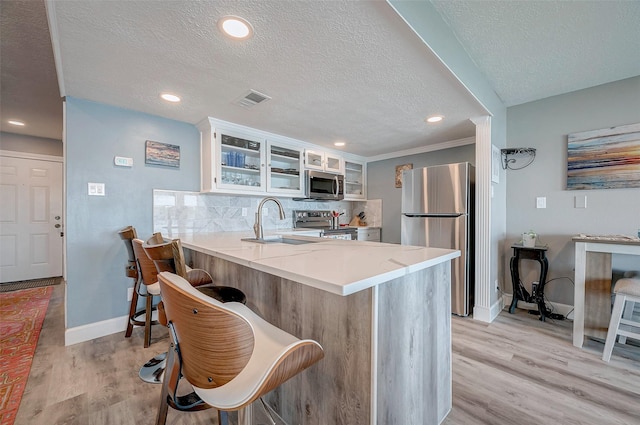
x,y
239,159
236,161
253,164
240,162
354,180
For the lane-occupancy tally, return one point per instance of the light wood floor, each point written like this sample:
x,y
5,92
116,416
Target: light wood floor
x,y
515,370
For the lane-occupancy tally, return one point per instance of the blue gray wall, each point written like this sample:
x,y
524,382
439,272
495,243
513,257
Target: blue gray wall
x,y
381,182
96,133
544,125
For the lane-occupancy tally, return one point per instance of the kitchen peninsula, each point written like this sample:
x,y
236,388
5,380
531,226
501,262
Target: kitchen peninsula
x,y
380,311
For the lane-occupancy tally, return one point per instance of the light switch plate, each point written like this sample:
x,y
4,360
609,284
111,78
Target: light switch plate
x,y
580,201
541,202
96,189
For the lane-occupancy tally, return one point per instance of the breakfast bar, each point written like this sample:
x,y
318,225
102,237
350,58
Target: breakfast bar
x,y
380,311
592,293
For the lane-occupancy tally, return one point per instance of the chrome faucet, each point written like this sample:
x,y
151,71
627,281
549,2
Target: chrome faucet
x,y
257,226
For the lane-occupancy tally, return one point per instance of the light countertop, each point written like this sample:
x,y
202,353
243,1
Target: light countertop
x,y
338,266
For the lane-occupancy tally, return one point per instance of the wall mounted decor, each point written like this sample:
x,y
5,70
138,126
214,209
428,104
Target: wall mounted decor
x,y
399,170
157,153
511,158
604,159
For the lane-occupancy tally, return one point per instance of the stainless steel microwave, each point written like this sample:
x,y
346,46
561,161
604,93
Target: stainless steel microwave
x,y
324,186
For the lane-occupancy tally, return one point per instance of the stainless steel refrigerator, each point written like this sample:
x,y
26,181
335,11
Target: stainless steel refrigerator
x,y
437,211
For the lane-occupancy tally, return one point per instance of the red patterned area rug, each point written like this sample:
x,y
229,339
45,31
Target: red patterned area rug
x,y
21,316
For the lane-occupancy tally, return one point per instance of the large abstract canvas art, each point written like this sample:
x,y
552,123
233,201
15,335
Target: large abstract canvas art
x,y
604,159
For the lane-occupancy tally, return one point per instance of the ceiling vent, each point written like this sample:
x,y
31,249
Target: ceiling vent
x,y
251,98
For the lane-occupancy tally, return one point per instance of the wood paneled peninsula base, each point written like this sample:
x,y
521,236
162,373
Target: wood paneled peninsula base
x,y
382,313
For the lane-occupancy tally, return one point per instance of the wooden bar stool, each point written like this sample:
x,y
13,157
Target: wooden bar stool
x,y
622,323
128,234
147,288
168,256
229,355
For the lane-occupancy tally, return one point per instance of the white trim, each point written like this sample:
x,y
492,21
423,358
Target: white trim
x,y
488,315
55,43
27,155
565,309
423,149
95,330
483,309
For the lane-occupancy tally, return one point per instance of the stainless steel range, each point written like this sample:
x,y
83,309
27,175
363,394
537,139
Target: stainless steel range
x,y
321,219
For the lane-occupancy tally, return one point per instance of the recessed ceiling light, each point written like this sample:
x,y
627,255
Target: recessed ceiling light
x,y
170,97
434,118
16,122
235,27
338,144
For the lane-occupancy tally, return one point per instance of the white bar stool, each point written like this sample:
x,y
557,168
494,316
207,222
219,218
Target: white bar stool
x,y
627,292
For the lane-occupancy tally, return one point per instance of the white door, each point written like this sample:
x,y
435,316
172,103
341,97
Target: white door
x,y
31,223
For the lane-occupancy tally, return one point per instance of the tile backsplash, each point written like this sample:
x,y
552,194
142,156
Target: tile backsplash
x,y
193,212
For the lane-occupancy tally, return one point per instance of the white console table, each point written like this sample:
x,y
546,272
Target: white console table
x,y
592,293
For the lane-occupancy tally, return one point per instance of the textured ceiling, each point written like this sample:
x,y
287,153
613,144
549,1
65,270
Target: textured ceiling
x,y
28,84
531,50
348,70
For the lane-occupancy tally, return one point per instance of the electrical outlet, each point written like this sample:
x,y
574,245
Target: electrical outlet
x,y
129,294
541,202
244,212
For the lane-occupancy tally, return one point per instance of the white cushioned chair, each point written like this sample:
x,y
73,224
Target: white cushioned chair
x,y
622,323
229,355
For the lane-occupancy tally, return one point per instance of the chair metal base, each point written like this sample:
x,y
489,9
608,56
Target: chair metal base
x,y
152,371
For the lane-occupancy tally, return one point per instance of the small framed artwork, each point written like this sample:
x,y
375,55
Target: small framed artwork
x,y
496,159
399,170
157,153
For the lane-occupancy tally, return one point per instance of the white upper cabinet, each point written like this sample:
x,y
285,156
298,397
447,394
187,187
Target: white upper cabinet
x,y
237,159
284,168
323,161
241,160
354,180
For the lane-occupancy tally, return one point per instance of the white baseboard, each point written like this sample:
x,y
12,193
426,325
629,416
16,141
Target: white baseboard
x,y
488,315
565,309
95,330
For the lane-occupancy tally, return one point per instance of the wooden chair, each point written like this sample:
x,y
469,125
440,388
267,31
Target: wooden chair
x,y
229,355
168,256
128,234
143,284
147,288
622,323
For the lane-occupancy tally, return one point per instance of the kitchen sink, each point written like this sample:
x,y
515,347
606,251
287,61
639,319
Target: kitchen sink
x,y
280,239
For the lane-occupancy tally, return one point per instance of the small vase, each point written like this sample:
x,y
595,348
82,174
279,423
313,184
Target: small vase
x,y
528,240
